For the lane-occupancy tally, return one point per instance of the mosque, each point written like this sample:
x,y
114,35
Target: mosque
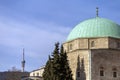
x,y
93,49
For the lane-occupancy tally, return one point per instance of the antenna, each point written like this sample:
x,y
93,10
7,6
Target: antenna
x,y
23,61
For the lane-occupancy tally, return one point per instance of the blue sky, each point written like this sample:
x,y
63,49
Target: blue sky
x,y
37,24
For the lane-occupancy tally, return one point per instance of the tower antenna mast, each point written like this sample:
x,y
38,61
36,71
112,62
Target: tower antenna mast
x,y
23,61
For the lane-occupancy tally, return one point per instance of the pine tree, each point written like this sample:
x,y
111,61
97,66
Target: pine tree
x,y
47,74
51,71
62,62
56,62
66,73
57,67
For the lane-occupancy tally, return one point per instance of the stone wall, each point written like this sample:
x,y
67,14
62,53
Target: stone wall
x,y
104,50
86,43
109,60
114,43
73,59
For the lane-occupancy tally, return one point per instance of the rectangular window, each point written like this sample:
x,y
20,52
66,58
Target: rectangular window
x,y
101,73
78,74
33,74
92,44
37,74
70,46
114,74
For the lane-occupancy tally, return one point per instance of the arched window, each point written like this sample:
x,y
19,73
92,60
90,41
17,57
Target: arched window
x,y
92,44
101,71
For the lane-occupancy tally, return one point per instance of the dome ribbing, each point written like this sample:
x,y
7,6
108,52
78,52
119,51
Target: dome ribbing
x,y
95,27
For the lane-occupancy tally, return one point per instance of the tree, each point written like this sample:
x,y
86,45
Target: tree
x,y
66,73
56,63
47,74
57,67
51,71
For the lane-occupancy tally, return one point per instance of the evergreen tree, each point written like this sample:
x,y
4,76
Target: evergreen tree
x,y
65,73
56,62
47,74
62,62
57,67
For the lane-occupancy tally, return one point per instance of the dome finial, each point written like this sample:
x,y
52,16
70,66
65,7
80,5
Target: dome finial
x,y
97,10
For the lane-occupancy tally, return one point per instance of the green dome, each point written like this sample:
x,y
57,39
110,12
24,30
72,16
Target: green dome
x,y
95,27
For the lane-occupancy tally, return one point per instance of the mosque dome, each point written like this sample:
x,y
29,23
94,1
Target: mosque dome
x,y
95,27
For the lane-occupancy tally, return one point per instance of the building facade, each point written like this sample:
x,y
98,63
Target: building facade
x,y
93,49
37,72
35,75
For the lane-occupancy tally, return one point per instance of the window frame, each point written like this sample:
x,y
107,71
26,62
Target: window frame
x,y
92,43
78,74
114,73
37,74
101,72
70,46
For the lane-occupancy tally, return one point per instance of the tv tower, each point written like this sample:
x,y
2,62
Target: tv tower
x,y
23,61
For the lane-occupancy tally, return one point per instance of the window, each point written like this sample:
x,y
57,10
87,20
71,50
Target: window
x,y
118,44
33,74
37,74
70,47
92,44
114,74
101,71
78,74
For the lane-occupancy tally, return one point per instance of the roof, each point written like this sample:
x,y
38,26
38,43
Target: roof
x,y
95,27
41,68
